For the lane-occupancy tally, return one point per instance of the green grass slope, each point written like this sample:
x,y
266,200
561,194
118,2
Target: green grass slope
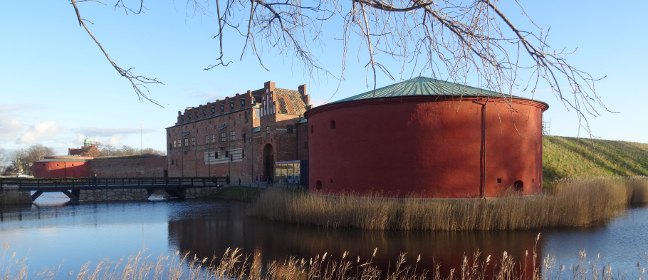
x,y
566,157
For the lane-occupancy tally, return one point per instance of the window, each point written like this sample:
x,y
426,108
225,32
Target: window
x,y
242,153
206,139
186,142
223,136
232,135
267,129
289,129
242,102
222,108
193,141
227,154
215,154
232,105
332,124
244,138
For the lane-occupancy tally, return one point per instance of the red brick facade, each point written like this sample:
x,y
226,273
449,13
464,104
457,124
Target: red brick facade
x,y
242,136
62,167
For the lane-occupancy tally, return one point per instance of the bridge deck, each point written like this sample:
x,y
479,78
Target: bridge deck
x,y
72,186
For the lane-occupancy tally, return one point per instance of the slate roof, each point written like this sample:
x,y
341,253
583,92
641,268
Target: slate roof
x,y
423,86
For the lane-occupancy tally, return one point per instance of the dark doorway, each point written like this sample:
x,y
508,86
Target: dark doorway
x,y
268,163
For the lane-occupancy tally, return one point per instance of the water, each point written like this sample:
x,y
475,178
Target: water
x,y
63,238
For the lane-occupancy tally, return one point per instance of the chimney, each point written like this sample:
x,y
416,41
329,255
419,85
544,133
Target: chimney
x,y
304,95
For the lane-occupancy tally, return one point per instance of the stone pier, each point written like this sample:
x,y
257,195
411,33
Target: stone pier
x,y
10,195
113,195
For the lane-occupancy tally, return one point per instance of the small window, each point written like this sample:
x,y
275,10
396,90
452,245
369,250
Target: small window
x,y
242,102
223,136
206,139
232,105
232,135
499,180
213,138
193,141
242,153
216,155
222,108
186,142
267,129
332,124
244,138
227,154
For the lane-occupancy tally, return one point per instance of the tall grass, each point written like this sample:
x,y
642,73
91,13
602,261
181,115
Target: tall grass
x,y
572,203
234,264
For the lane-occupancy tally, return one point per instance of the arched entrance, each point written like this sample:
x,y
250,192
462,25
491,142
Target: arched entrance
x,y
268,163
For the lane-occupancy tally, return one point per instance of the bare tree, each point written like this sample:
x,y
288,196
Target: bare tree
x,y
4,160
21,160
451,39
111,151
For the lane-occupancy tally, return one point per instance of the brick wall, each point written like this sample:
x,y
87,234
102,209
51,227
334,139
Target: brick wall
x,y
228,137
131,166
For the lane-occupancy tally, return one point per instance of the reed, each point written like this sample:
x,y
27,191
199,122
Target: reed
x,y
234,264
572,203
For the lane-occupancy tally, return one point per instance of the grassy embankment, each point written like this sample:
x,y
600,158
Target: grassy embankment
x,y
565,157
599,188
236,193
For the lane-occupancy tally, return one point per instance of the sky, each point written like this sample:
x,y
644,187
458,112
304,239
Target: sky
x,y
56,88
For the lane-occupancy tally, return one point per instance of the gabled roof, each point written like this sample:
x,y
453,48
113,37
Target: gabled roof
x,y
289,101
423,86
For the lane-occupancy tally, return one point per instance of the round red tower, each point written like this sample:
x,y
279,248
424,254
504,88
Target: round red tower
x,y
429,138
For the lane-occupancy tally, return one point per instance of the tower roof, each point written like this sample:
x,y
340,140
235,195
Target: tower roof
x,y
423,86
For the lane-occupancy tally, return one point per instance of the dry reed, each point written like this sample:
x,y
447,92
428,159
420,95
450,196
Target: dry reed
x,y
572,203
234,264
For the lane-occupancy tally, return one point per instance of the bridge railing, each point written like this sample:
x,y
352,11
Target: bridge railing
x,y
114,183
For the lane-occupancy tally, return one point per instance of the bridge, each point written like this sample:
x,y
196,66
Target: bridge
x,y
73,187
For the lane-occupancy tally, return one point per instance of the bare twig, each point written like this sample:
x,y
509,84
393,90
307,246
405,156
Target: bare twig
x,y
137,82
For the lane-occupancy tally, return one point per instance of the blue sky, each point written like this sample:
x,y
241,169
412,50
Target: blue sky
x,y
56,88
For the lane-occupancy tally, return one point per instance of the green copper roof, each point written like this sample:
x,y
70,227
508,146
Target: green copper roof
x,y
422,86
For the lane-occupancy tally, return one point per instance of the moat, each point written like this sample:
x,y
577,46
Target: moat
x,y
63,238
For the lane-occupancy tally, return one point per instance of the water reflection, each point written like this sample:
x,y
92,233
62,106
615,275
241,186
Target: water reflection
x,y
213,234
69,236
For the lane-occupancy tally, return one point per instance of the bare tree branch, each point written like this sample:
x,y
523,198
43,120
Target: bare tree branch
x,y
138,83
458,40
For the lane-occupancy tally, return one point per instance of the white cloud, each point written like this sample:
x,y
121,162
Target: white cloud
x,y
9,126
41,131
115,140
